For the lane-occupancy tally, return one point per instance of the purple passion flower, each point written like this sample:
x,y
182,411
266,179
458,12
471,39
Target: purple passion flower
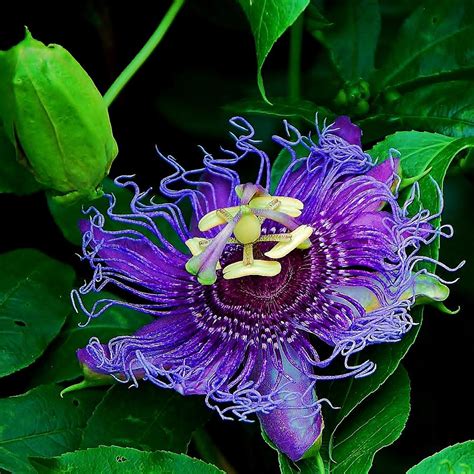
x,y
261,284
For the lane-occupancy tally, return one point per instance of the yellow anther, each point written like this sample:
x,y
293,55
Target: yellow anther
x,y
217,217
298,237
267,268
248,229
289,206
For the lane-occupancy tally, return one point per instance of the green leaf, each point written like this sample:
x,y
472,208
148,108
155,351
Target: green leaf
x,y
349,393
34,303
59,363
14,463
446,107
456,459
436,39
352,39
112,459
420,151
377,423
269,19
146,418
40,423
282,108
14,177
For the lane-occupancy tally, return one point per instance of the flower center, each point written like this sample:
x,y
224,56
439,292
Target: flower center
x,y
243,228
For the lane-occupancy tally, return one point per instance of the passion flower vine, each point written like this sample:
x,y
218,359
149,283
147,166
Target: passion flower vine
x,y
327,264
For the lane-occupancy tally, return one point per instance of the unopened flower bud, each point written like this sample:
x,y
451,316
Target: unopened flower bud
x,y
56,118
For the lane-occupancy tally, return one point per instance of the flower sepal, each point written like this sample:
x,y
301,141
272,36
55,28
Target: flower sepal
x,y
91,379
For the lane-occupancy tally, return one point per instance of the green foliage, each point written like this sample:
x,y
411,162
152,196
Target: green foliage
x,y
145,418
56,118
353,38
59,362
40,422
435,39
34,303
456,459
378,422
269,20
112,459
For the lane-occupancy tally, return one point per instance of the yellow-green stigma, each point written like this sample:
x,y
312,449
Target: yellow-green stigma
x,y
243,226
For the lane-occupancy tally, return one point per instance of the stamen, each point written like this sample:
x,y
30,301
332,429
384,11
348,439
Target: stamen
x,y
245,223
298,237
267,268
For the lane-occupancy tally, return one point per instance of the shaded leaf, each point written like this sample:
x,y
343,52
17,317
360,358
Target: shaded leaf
x,y
41,423
269,19
14,463
446,107
282,108
456,459
59,363
112,459
146,418
352,39
436,39
377,423
34,303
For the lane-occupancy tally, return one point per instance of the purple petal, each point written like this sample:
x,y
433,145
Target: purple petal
x,y
344,128
296,425
133,256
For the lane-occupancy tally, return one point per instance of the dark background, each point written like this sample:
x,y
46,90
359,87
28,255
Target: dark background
x,y
176,100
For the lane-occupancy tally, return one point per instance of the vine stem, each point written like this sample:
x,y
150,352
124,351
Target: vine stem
x,y
294,61
144,53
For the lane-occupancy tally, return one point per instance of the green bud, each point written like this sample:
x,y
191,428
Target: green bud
x,y
364,87
362,107
56,118
341,98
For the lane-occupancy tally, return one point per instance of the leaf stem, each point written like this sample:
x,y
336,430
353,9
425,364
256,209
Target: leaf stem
x,y
144,53
320,463
294,62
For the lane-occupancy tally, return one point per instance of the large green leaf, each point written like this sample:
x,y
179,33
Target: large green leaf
x,y
41,423
146,418
377,423
34,303
436,39
59,362
14,463
352,39
445,107
113,459
14,178
269,19
456,459
420,151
